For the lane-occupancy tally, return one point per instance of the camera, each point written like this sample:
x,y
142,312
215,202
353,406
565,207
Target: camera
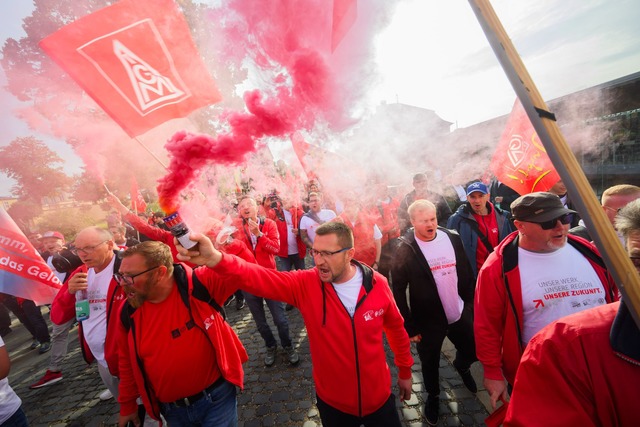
x,y
275,203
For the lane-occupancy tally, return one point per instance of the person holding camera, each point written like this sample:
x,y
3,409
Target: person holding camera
x,y
62,262
260,235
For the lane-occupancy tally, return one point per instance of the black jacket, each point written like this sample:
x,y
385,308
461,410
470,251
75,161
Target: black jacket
x,y
410,269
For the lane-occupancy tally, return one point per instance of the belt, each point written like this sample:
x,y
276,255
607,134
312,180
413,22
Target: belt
x,y
190,400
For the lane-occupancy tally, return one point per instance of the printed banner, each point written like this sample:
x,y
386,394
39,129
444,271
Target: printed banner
x,y
137,60
23,272
520,160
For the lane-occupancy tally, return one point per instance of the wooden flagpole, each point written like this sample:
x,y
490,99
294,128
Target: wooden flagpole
x,y
151,152
603,234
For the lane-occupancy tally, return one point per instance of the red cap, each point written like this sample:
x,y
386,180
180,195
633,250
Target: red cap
x,y
54,234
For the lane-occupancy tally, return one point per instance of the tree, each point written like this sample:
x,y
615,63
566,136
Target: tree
x,y
86,188
35,167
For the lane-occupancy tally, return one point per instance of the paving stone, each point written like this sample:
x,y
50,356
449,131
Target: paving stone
x,y
282,395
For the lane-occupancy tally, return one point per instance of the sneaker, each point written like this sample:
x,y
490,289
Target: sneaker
x,y
44,347
105,395
270,357
292,355
229,300
467,379
49,378
240,304
34,344
432,410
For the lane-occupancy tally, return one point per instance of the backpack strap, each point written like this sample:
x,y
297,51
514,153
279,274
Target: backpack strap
x,y
481,236
200,292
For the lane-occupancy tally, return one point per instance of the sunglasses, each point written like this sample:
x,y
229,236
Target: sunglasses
x,y
564,219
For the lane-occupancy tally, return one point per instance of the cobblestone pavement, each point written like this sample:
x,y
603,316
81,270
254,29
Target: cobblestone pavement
x,y
281,395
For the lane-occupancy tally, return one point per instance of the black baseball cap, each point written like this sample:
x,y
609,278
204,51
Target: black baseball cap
x,y
538,207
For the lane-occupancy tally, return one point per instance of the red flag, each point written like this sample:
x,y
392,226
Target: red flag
x,y
137,60
344,16
137,201
520,160
23,272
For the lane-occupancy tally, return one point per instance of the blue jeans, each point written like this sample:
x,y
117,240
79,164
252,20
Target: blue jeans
x,y
217,409
285,264
18,419
256,306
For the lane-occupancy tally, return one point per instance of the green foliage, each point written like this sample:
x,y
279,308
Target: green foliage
x,y
35,167
24,211
70,221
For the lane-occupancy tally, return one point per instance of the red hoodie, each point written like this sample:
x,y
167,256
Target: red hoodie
x,y
349,362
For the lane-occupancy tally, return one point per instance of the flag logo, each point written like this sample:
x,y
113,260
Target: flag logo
x,y
518,149
141,84
137,60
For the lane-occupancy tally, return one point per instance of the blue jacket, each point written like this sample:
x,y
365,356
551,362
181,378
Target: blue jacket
x,y
462,220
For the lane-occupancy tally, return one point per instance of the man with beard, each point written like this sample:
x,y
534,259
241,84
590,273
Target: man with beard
x,y
176,351
583,370
535,276
347,308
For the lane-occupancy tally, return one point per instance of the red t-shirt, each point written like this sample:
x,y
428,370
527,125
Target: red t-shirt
x,y
179,361
488,225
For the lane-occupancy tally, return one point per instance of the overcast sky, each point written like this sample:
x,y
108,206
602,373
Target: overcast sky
x,y
434,55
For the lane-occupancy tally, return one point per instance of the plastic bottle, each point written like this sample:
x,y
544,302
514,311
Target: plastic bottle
x,y
82,305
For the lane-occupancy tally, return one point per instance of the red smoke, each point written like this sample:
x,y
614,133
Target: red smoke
x,y
302,92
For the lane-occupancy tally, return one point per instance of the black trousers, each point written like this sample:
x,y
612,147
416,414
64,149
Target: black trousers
x,y
30,316
461,335
386,416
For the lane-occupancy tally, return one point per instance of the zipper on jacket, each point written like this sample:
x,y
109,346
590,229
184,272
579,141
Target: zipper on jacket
x,y
355,347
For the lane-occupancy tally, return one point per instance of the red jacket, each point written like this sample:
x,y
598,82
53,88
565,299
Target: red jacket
x,y
63,309
496,327
296,214
268,244
363,240
154,233
349,363
572,375
230,353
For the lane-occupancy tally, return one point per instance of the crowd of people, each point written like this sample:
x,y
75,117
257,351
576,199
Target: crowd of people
x,y
514,282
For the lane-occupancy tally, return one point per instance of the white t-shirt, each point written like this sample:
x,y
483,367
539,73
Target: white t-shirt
x,y
94,328
442,259
9,400
348,291
555,285
292,244
310,225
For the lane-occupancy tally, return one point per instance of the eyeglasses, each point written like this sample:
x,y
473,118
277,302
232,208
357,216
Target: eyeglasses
x,y
127,279
564,219
86,250
326,254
